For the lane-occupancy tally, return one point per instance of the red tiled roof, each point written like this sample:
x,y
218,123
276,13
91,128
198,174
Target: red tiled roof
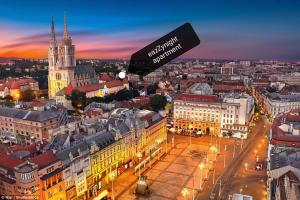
x,y
8,161
105,77
197,97
14,85
69,89
114,83
228,87
281,137
45,159
84,89
2,87
89,88
31,148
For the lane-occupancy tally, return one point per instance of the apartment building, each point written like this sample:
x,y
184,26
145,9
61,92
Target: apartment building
x,y
213,115
28,125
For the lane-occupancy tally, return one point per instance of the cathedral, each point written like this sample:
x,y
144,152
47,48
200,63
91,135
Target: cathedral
x,y
63,71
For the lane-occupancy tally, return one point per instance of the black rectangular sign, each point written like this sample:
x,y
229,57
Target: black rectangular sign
x,y
163,50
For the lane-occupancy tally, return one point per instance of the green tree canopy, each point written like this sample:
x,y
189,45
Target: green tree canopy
x,y
158,102
151,89
78,99
28,95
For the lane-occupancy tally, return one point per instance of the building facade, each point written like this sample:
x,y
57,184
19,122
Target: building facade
x,y
30,125
213,115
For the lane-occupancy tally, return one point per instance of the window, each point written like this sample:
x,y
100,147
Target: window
x,y
27,176
50,169
58,76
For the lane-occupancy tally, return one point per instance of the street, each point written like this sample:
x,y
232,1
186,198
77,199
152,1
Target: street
x,y
241,172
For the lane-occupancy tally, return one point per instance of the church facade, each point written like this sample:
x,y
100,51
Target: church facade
x,y
63,71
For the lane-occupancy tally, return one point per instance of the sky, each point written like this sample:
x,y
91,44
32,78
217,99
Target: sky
x,y
232,29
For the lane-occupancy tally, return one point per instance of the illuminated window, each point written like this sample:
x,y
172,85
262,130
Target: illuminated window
x,y
58,76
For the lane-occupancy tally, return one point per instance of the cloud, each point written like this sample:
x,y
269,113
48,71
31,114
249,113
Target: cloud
x,y
24,44
107,50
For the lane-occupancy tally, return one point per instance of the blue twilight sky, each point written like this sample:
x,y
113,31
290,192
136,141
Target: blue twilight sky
x,y
116,29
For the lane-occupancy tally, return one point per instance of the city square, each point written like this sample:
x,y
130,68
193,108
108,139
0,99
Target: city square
x,y
149,100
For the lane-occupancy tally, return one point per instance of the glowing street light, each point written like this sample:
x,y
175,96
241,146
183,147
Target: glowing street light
x,y
214,150
246,166
112,177
190,128
139,155
184,192
201,166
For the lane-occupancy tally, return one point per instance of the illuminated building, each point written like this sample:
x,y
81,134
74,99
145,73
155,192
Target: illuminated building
x,y
15,86
77,170
105,156
212,115
198,112
51,186
63,69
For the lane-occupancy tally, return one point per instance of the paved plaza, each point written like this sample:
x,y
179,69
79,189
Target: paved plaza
x,y
176,171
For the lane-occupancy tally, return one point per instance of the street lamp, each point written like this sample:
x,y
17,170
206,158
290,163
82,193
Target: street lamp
x,y
112,177
214,150
190,128
201,166
17,97
246,166
139,155
184,192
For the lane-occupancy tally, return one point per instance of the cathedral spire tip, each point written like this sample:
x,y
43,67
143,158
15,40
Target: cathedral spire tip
x,y
52,30
66,34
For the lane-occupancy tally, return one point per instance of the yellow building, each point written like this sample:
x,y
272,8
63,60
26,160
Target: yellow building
x,y
115,151
106,156
52,185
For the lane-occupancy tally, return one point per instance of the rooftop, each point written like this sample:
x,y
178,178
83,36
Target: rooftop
x,y
197,98
285,129
29,115
45,159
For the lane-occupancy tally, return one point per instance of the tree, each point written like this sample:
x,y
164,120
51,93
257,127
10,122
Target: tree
x,y
97,99
78,99
126,94
8,98
28,95
151,89
135,93
123,95
109,98
158,102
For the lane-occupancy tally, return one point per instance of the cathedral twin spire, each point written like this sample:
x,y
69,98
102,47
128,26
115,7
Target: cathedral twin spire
x,y
66,36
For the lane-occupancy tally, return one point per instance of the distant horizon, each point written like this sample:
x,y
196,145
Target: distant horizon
x,y
177,59
230,30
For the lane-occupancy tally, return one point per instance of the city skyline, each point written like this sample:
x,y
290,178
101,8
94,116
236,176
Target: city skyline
x,y
233,30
